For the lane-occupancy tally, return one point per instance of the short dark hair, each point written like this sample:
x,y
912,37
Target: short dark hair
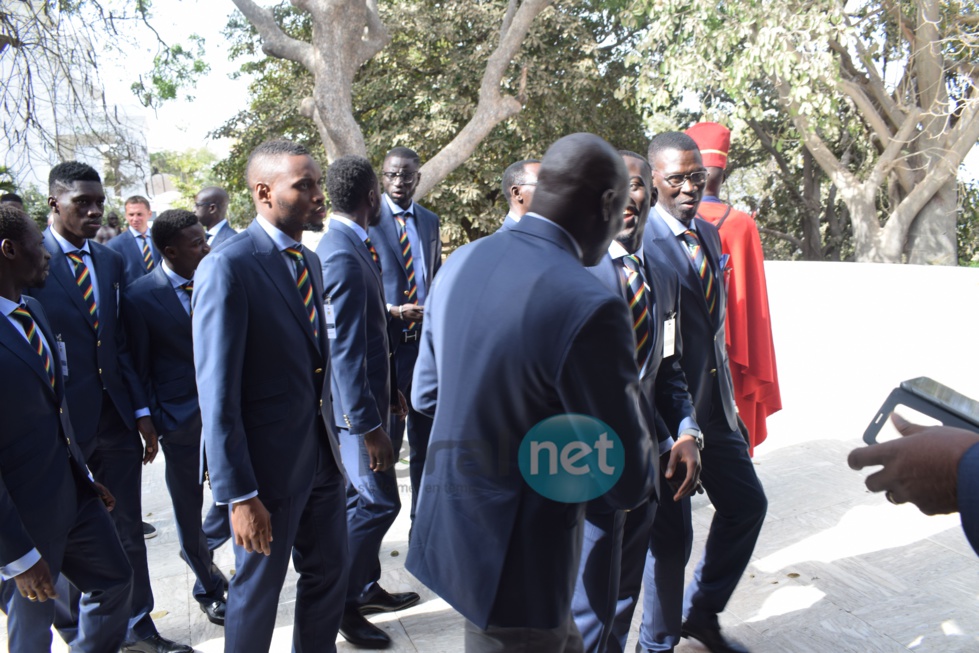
x,y
13,223
647,170
11,197
67,173
137,199
169,224
670,141
273,148
404,153
514,175
348,181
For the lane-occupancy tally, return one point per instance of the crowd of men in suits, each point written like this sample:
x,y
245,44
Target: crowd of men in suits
x,y
286,379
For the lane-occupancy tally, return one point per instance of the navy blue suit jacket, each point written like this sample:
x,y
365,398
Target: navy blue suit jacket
x,y
95,360
41,473
126,246
263,378
666,400
163,350
226,232
385,239
704,361
516,331
361,378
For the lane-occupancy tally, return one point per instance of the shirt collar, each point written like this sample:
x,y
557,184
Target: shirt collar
x,y
175,279
577,247
675,225
136,234
511,216
350,223
395,209
616,250
7,307
216,228
67,247
279,237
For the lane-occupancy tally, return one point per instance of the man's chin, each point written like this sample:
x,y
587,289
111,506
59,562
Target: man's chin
x,y
315,227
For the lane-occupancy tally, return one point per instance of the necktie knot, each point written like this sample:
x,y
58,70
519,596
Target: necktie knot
x,y
296,253
189,286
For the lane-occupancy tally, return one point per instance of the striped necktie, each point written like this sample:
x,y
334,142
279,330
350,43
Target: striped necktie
x,y
370,248
409,261
34,338
84,281
189,289
696,251
639,304
305,285
147,254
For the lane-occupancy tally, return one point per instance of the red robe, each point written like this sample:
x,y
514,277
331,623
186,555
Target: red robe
x,y
749,326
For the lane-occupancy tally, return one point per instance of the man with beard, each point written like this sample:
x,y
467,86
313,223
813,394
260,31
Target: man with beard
x,y
519,338
615,544
676,237
362,394
263,370
52,522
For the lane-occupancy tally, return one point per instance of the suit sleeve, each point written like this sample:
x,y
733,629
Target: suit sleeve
x,y
968,495
673,400
425,382
598,378
15,543
437,263
134,385
343,283
139,348
220,331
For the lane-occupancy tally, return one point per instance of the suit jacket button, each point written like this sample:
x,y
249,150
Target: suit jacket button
x,y
100,371
713,372
61,411
98,343
321,403
319,370
406,293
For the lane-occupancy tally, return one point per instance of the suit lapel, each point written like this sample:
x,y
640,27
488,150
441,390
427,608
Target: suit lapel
x,y
166,295
360,247
388,229
271,261
63,272
679,258
18,345
108,304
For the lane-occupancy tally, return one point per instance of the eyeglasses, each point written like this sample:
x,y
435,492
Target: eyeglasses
x,y
697,178
406,177
198,205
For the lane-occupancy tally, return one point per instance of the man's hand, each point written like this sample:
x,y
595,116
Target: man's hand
x,y
36,583
683,467
409,312
252,526
150,438
379,448
400,408
922,467
105,495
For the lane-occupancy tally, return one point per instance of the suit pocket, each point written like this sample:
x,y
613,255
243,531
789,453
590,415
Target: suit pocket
x,y
262,403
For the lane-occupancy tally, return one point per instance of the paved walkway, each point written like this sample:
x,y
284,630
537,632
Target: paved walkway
x,y
836,568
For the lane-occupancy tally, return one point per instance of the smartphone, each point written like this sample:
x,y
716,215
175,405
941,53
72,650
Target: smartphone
x,y
931,398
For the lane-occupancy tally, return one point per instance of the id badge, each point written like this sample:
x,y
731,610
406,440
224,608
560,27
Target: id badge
x,y
331,320
669,336
63,352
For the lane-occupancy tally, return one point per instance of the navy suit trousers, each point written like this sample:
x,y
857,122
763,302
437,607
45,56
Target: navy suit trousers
x,y
92,559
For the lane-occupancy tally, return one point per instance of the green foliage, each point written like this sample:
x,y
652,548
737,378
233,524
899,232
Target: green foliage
x,y
191,171
968,224
423,88
174,69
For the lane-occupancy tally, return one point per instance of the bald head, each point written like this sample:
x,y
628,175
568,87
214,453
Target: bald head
x,y
211,206
583,186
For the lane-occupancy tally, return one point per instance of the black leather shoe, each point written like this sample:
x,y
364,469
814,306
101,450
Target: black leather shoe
x,y
640,649
711,637
380,600
214,611
157,644
362,633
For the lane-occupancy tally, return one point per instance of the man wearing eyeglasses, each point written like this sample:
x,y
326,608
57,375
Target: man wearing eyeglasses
x,y
211,208
410,249
675,236
519,182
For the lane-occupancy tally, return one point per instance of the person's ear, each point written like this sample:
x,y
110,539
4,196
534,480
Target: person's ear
x,y
263,193
608,204
7,248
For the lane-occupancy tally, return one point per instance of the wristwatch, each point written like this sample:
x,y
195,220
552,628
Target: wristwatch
x,y
697,436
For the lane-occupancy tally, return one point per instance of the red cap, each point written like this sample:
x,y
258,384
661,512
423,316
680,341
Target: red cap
x,y
714,141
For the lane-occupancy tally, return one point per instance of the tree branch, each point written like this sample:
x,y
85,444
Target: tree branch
x,y
275,42
796,242
886,160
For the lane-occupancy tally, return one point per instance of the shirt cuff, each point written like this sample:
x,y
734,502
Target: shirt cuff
x,y
688,427
17,567
666,445
142,412
244,497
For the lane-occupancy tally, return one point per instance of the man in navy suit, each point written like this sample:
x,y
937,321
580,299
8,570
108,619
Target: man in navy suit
x,y
135,245
263,372
362,396
676,237
211,207
615,544
517,333
519,181
410,248
107,401
156,310
52,521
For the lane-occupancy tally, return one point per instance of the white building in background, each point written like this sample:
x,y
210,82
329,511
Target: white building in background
x,y
54,107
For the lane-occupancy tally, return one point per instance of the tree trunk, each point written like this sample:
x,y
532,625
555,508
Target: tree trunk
x,y
812,246
932,237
